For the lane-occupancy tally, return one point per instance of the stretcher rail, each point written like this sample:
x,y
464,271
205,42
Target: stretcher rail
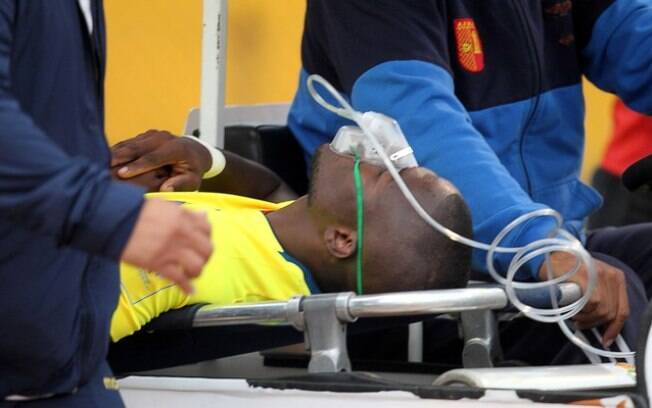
x,y
255,313
427,302
350,306
323,318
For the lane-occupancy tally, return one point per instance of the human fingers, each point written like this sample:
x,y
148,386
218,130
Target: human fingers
x,y
135,147
607,299
596,300
200,222
130,149
152,181
182,182
600,307
174,272
596,317
585,321
621,308
559,263
121,155
197,235
162,156
192,263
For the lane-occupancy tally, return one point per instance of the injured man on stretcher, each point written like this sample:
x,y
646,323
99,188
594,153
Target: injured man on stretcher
x,y
265,251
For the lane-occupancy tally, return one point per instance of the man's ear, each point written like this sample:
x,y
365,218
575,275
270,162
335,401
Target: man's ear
x,y
340,241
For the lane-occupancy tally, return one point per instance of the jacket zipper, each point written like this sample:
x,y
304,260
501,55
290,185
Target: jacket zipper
x,y
534,55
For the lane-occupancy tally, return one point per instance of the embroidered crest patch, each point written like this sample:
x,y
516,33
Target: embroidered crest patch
x,y
469,46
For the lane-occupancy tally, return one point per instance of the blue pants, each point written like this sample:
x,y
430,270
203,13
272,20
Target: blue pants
x,y
98,392
627,248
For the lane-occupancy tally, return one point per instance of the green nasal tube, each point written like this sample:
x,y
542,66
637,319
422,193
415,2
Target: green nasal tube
x,y
360,221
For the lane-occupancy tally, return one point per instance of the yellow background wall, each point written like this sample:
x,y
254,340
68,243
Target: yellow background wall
x,y
154,64
154,54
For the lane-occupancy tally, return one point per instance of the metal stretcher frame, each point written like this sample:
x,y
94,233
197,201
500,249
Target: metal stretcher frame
x,y
324,318
349,307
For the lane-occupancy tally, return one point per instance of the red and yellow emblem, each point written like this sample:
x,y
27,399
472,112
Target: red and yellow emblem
x,y
469,47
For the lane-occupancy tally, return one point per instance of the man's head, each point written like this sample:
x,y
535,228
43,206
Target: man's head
x,y
400,251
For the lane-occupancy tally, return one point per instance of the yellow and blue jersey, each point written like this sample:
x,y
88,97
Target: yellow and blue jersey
x,y
248,264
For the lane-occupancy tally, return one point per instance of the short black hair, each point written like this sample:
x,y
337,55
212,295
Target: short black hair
x,y
450,261
314,170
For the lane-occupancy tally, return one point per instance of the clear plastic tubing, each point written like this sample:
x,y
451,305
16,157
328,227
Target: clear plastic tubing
x,y
562,242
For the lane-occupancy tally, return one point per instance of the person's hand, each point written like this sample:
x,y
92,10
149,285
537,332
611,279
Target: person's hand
x,y
152,180
608,305
184,160
170,241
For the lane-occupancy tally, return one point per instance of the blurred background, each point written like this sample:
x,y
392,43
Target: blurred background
x,y
154,51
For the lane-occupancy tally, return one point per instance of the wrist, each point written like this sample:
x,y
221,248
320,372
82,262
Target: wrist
x,y
560,263
217,160
531,231
107,228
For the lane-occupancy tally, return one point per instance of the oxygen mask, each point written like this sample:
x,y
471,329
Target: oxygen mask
x,y
378,139
352,140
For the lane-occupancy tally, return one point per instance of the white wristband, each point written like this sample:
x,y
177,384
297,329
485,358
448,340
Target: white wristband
x,y
218,162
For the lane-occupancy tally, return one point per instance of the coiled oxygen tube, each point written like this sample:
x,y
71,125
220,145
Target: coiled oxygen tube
x,y
560,241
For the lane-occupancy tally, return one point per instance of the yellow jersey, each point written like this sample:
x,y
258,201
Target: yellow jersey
x,y
248,264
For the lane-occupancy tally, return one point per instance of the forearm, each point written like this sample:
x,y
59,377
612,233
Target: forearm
x,y
50,193
422,100
248,178
406,72
617,57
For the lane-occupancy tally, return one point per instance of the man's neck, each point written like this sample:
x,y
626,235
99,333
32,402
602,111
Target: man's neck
x,y
298,234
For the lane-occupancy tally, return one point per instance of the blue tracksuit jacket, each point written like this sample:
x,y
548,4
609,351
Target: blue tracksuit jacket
x,y
62,220
488,92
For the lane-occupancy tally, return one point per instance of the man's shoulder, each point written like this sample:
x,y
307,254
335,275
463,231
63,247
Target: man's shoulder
x,y
217,201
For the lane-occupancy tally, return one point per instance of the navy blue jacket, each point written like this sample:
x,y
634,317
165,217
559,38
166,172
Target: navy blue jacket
x,y
488,92
63,222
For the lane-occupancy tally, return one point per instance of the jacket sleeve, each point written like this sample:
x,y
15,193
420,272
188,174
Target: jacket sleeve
x,y
392,57
618,53
419,95
46,191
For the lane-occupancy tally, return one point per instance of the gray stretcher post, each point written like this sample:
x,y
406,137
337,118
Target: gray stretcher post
x,y
480,328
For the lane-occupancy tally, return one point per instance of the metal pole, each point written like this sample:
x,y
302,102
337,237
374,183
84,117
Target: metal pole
x,y
255,313
213,66
389,304
415,342
427,302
